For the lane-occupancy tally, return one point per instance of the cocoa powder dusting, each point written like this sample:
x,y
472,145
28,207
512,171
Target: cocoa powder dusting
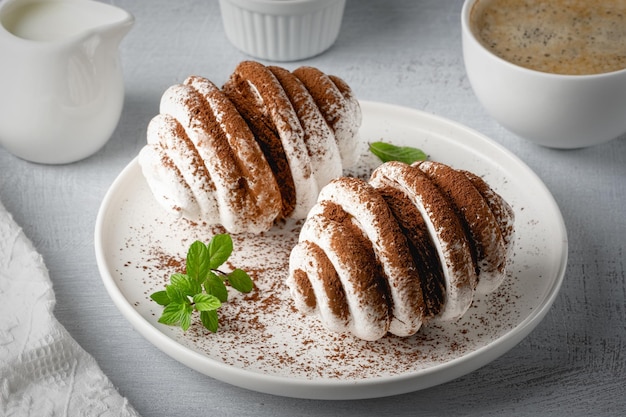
x,y
304,287
476,217
449,226
239,91
263,332
421,247
504,217
355,250
332,285
323,91
302,103
213,144
198,169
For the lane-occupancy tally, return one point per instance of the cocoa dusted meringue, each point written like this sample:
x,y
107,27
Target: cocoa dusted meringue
x,y
412,244
238,189
253,152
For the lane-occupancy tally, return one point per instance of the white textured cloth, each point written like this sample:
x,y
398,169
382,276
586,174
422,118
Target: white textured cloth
x,y
43,370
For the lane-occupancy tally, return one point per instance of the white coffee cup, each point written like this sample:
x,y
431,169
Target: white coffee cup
x,y
553,110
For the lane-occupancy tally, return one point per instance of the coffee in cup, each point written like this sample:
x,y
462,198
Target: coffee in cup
x,y
575,37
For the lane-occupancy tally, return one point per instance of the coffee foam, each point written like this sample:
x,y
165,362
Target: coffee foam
x,y
564,37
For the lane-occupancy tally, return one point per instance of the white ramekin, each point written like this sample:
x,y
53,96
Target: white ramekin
x,y
282,30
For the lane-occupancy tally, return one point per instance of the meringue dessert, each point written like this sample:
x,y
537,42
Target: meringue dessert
x,y
255,151
412,244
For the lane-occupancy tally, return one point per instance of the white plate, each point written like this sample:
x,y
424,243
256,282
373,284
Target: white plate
x,y
263,344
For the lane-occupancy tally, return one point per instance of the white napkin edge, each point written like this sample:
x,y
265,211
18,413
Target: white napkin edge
x,y
43,370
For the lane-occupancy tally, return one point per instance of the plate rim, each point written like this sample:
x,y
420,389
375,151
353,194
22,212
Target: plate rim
x,y
337,389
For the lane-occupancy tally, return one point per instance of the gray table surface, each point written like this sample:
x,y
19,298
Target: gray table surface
x,y
404,52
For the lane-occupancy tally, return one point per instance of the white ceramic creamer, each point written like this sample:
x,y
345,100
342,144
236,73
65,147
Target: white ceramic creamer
x,y
60,77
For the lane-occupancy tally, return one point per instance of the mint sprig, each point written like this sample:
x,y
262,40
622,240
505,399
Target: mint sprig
x,y
203,287
388,152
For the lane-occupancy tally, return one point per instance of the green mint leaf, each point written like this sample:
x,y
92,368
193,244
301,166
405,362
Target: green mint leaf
x,y
215,286
206,302
388,152
172,313
175,294
240,281
161,298
185,284
185,316
179,281
209,319
220,247
194,286
185,292
198,261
